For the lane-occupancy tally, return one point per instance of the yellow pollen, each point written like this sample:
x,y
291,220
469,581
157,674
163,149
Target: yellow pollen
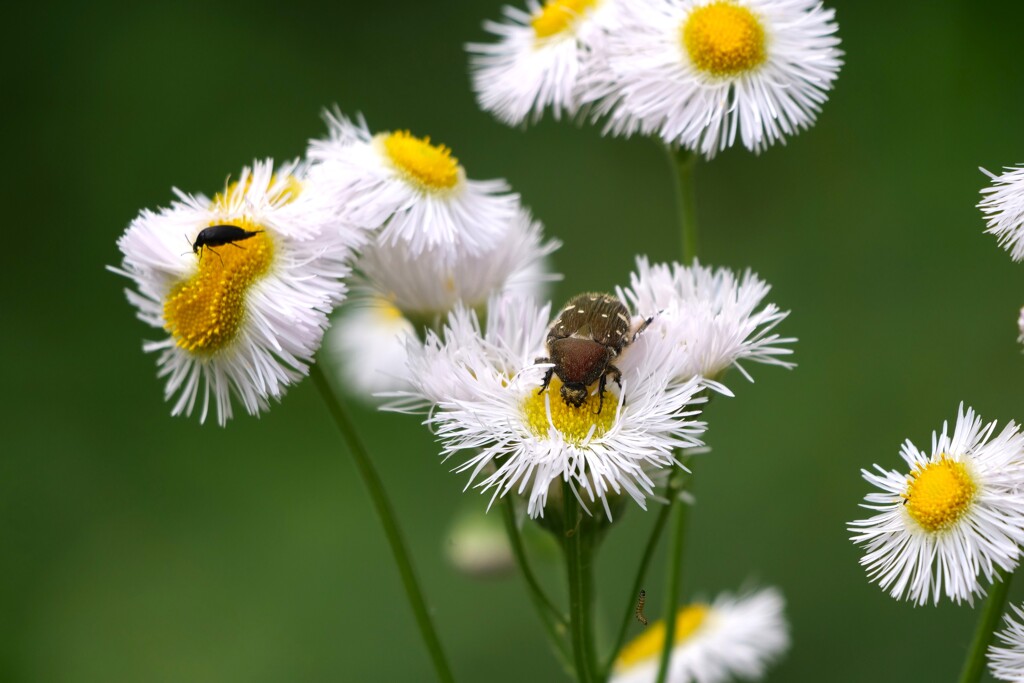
x,y
231,197
650,643
432,167
939,493
205,311
558,15
724,39
573,423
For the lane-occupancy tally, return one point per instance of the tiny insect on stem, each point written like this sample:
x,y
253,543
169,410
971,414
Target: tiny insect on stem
x,y
640,608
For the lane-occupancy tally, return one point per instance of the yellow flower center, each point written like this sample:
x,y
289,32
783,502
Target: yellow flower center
x,y
558,15
651,642
939,493
205,311
575,424
724,39
287,193
432,167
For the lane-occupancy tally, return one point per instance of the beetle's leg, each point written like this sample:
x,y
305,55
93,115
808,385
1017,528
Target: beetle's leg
x,y
215,252
547,375
643,326
616,374
236,246
600,393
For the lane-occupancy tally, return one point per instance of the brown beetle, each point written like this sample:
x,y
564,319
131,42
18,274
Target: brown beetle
x,y
587,336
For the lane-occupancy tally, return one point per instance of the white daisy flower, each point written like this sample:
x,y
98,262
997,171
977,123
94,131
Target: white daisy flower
x,y
956,514
483,391
717,316
368,345
1003,206
427,288
243,317
699,72
1007,663
733,637
416,192
538,59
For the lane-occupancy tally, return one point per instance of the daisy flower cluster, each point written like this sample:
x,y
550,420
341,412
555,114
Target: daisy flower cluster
x,y
732,637
439,239
696,73
955,515
241,316
499,399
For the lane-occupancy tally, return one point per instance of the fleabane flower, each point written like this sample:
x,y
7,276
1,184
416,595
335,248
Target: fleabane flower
x,y
734,637
415,192
482,386
395,291
1006,661
1003,207
427,288
957,513
699,73
538,58
368,344
717,316
244,317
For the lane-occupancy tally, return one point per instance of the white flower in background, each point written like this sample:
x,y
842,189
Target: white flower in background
x,y
415,192
1007,663
427,288
698,73
717,316
482,391
956,514
733,637
478,546
243,318
368,344
1020,326
538,58
1003,206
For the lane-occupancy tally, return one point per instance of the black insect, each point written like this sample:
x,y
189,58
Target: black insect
x,y
587,336
220,235
640,608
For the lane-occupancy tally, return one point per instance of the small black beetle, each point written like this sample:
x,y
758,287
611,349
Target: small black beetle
x,y
587,336
218,236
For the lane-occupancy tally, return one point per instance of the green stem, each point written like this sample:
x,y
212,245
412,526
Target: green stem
x,y
674,579
555,623
375,488
683,163
641,572
578,563
987,623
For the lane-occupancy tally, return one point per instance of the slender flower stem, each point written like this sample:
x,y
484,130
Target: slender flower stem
x,y
641,572
375,488
683,163
990,614
578,560
555,623
674,580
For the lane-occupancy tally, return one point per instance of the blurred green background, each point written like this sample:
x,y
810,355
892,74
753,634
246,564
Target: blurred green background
x,y
137,547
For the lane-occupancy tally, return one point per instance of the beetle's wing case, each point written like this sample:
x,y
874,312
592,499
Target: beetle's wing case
x,y
600,317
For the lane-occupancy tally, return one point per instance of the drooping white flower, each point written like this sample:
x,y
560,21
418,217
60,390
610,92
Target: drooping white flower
x,y
1003,207
538,59
735,637
718,317
955,516
699,73
1006,662
482,388
416,193
242,318
367,343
